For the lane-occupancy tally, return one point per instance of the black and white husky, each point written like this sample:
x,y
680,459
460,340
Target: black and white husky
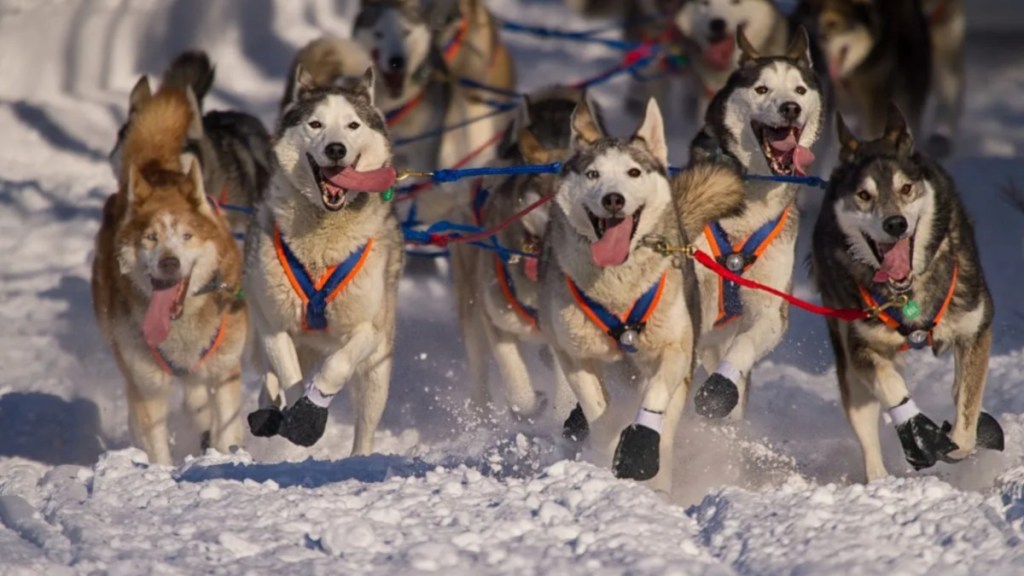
x,y
893,236
766,119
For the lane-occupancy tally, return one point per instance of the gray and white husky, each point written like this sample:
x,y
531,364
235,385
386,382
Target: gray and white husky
x,y
606,296
233,148
892,232
766,119
323,257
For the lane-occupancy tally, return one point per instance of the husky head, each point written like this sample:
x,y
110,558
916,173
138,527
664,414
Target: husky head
x,y
883,201
713,26
326,130
770,112
398,38
613,191
846,30
169,239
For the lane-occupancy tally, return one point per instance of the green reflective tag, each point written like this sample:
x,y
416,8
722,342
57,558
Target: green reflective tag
x,y
388,194
911,310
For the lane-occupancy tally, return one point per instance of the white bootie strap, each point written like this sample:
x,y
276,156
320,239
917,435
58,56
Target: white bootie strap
x,y
317,397
729,371
650,419
903,412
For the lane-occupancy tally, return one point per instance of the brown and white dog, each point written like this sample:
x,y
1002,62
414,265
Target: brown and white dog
x,y
165,281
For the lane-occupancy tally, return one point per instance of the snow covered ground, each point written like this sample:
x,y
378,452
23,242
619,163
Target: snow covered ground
x,y
776,494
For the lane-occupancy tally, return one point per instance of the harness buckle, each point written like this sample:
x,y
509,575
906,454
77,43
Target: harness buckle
x,y
899,301
406,174
660,245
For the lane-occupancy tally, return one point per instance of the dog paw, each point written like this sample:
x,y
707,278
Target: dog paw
x,y
576,428
989,436
716,397
924,443
637,456
304,423
265,422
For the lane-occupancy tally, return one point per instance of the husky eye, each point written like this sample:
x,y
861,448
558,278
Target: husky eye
x,y
905,190
353,125
316,124
762,90
593,174
801,90
864,195
634,172
187,236
151,236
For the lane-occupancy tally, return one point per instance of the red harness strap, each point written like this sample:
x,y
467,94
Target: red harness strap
x,y
168,366
454,46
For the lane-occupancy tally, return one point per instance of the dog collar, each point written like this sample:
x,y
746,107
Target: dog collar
x,y
170,368
316,297
623,329
395,115
917,335
737,259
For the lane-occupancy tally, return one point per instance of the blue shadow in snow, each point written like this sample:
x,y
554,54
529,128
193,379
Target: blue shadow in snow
x,y
51,131
313,473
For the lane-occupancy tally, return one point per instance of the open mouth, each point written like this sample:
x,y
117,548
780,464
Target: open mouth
x,y
781,148
166,304
835,64
614,236
719,52
896,264
332,195
395,82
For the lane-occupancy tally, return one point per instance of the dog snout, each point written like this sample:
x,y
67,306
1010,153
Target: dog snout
x,y
790,111
169,266
613,202
895,226
335,151
717,26
396,63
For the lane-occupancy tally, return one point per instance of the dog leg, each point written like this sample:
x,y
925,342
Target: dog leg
x,y
564,400
663,481
197,404
370,396
284,360
227,411
520,395
861,408
971,369
592,401
148,422
477,356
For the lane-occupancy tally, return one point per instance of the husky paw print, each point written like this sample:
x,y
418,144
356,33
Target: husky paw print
x,y
924,443
637,455
716,397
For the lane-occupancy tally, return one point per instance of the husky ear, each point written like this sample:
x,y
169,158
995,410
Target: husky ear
x,y
198,197
365,86
652,132
195,126
747,52
585,130
302,82
141,93
800,48
530,147
897,133
137,191
848,143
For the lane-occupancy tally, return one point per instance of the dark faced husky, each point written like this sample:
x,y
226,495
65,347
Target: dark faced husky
x,y
892,236
605,295
766,119
323,258
232,147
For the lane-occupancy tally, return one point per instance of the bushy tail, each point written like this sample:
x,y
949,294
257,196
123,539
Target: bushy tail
x,y
706,192
192,68
158,132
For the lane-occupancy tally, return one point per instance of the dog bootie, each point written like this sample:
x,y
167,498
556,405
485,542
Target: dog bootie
x,y
576,428
304,423
637,456
990,433
924,443
717,397
265,422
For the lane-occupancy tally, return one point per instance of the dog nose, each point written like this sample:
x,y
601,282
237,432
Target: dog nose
x,y
613,202
790,111
895,226
169,265
335,151
396,63
717,26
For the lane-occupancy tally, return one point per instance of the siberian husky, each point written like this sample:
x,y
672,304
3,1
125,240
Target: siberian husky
x,y
323,257
165,284
893,237
233,148
766,119
607,296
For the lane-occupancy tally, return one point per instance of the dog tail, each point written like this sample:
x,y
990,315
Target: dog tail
x,y
158,132
190,69
706,192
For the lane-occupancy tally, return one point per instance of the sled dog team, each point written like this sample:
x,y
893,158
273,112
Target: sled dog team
x,y
225,244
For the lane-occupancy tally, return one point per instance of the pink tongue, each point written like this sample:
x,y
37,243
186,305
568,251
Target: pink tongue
x,y
834,66
801,155
378,180
156,326
613,248
530,267
719,54
895,263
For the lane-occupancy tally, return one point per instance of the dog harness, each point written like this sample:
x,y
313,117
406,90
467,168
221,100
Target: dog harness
x,y
170,368
508,289
316,297
452,48
625,329
480,196
394,116
737,259
917,335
